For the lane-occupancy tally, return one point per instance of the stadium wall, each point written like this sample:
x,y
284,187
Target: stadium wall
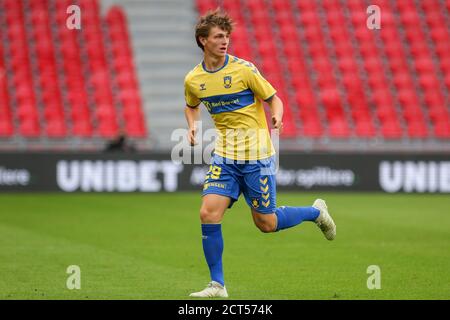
x,y
156,172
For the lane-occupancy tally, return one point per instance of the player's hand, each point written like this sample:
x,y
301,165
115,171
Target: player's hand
x,y
191,136
277,123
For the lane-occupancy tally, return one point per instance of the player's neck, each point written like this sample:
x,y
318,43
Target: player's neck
x,y
213,63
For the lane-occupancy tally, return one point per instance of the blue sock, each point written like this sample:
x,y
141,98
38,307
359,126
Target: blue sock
x,y
291,216
213,247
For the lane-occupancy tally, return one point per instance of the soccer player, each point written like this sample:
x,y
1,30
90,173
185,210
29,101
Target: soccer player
x,y
232,90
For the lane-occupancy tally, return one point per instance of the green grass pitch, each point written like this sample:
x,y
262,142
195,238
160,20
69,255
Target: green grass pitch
x,y
148,246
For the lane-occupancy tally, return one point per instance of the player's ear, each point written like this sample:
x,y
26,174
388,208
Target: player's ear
x,y
203,40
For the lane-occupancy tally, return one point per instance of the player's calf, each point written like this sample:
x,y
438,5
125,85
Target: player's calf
x,y
266,223
266,228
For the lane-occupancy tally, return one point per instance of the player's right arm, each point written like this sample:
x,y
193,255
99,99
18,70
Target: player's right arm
x,y
191,111
192,115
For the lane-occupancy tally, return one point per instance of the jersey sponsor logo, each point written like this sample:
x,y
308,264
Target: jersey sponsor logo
x,y
227,82
202,86
214,184
228,102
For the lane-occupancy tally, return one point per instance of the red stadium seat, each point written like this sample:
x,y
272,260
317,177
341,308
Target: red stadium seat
x,y
391,130
338,128
342,48
256,5
403,81
297,67
29,128
107,129
266,48
56,128
135,128
361,113
233,6
365,129
434,98
312,129
408,97
377,80
417,129
294,52
364,35
82,129
431,6
6,127
284,18
442,129
439,113
348,65
282,6
439,34
413,114
386,113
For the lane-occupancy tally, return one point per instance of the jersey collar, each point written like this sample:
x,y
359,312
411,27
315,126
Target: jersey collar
x,y
226,62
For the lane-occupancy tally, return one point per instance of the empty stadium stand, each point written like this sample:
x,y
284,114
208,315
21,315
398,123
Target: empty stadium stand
x,y
341,82
339,78
59,82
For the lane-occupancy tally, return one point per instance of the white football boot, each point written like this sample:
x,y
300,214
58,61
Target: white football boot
x,y
324,220
213,290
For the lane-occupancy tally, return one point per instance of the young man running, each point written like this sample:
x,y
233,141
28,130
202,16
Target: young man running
x,y
232,90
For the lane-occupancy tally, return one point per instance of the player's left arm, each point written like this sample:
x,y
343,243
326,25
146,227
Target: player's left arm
x,y
276,110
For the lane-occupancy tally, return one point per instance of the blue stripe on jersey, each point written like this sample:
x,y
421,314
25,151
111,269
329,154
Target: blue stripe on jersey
x,y
228,102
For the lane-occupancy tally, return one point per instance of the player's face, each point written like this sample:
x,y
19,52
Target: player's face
x,y
217,42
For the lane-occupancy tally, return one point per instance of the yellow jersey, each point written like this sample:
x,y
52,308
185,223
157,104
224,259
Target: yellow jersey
x,y
234,97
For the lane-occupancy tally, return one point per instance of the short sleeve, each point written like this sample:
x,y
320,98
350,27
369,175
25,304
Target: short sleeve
x,y
260,86
192,100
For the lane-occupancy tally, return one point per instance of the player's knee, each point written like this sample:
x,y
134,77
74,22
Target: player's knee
x,y
209,216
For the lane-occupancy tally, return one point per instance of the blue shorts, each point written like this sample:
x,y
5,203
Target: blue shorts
x,y
255,179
